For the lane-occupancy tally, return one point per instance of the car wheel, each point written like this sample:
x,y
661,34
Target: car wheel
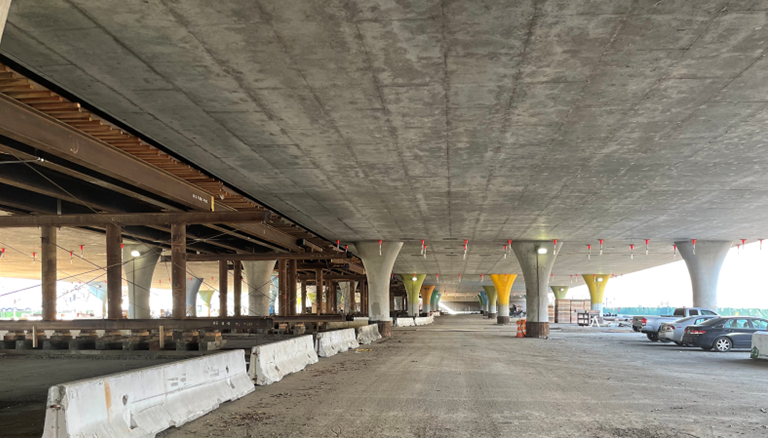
x,y
654,337
635,329
664,339
723,344
679,344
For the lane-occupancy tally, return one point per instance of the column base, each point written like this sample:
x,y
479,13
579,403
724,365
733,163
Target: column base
x,y
492,315
385,328
536,329
502,320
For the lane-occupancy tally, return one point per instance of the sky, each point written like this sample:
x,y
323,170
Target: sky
x,y
743,283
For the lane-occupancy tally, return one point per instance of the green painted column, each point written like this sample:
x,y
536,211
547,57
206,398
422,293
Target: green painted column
x,y
560,291
490,292
412,288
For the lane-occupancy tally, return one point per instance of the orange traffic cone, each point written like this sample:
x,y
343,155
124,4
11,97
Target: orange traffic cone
x,y
519,323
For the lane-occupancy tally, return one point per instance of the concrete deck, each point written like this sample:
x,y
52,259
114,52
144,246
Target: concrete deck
x,y
464,376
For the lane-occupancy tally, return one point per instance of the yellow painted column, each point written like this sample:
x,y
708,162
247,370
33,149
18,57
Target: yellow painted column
x,y
426,297
412,288
596,284
490,293
503,283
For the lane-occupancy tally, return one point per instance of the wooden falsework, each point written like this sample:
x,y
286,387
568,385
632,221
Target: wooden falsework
x,y
282,286
303,308
114,272
238,287
179,270
292,292
223,285
48,258
269,256
320,286
125,219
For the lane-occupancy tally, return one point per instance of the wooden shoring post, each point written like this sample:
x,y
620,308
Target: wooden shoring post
x,y
303,308
238,287
114,272
320,283
179,270
282,286
48,256
364,297
223,286
293,273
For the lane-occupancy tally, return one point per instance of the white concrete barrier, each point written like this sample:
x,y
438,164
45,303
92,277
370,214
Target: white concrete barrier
x,y
760,345
368,334
335,341
404,322
144,402
271,362
421,320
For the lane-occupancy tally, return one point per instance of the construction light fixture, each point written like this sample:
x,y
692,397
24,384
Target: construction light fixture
x,y
135,253
542,250
414,277
599,278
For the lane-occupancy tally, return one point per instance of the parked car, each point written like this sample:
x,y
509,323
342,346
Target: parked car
x,y
650,324
674,331
724,333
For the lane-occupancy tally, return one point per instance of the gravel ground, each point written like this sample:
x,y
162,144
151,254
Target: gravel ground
x,y
466,377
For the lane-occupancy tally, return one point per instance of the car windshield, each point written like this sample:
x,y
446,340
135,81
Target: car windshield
x,y
713,321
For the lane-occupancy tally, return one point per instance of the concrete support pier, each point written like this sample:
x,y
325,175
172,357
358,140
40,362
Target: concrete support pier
x,y
560,291
412,284
704,265
258,277
139,263
378,259
484,303
193,287
503,286
536,259
490,293
596,284
426,298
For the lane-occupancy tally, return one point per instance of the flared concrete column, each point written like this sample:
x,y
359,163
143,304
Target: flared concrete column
x,y
206,296
378,261
596,284
193,287
503,285
258,276
347,289
139,270
704,266
502,296
5,6
412,284
437,301
426,298
492,296
559,291
536,259
433,301
483,303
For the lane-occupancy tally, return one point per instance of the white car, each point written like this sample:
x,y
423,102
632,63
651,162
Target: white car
x,y
674,331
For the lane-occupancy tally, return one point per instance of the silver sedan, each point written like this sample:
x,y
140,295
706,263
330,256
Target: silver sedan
x,y
674,331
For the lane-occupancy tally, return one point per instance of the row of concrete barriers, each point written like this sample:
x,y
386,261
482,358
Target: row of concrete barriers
x,y
144,402
412,321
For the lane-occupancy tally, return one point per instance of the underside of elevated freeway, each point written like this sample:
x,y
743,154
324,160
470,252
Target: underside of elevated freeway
x,y
205,175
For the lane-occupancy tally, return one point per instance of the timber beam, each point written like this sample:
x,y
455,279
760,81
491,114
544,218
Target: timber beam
x,y
123,219
334,258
